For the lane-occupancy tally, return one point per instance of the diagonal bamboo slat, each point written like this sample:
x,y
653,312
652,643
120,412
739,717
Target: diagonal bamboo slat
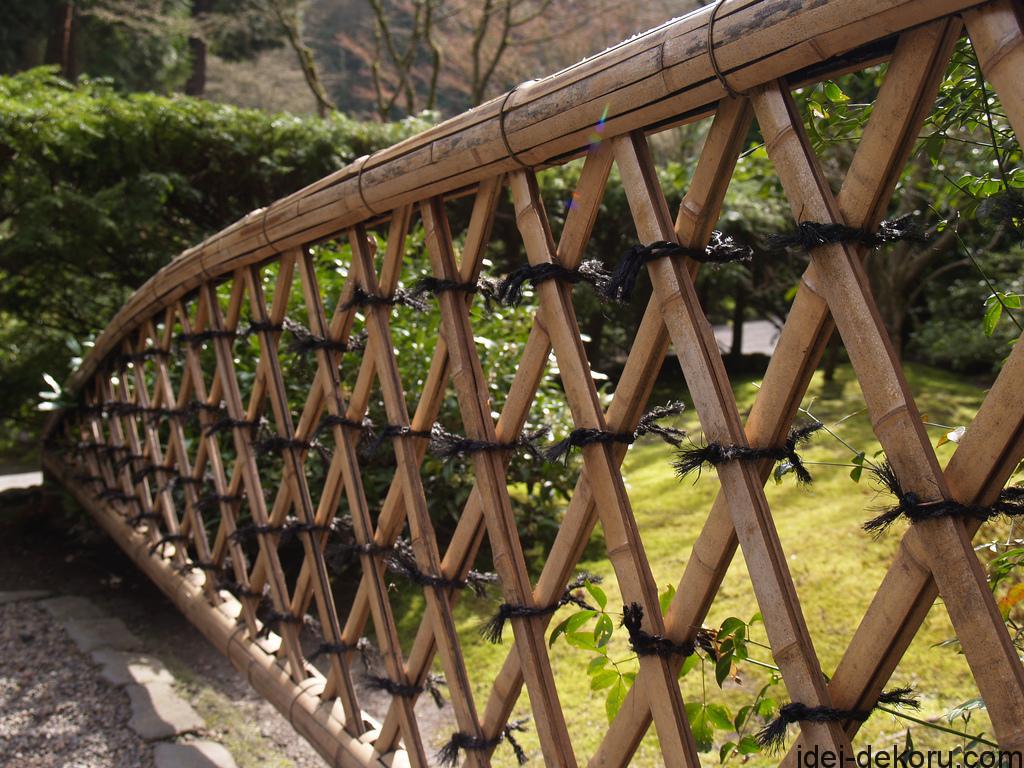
x,y
236,488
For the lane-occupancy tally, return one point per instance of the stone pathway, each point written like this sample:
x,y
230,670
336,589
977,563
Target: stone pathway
x,y
158,715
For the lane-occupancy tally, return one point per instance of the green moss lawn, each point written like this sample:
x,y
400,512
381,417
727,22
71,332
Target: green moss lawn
x,y
836,568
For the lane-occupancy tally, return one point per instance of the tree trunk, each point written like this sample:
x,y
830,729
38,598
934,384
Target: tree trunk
x,y
196,84
60,48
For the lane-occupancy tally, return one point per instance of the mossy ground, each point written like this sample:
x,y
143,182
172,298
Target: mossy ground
x,y
835,566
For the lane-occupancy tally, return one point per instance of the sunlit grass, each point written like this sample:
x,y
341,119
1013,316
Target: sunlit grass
x,y
835,566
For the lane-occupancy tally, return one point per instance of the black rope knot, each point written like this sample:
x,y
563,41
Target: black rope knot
x,y
644,643
694,457
495,626
813,234
773,736
168,538
401,560
445,445
361,298
721,249
449,753
329,420
1009,503
226,423
263,326
438,285
362,646
274,619
648,424
304,340
137,519
431,684
510,289
375,439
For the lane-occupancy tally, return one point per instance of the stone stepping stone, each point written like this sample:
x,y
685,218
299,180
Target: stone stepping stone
x,y
69,607
22,595
159,713
92,634
195,754
121,669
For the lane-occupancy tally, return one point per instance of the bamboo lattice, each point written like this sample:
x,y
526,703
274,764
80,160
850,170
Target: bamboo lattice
x,y
204,475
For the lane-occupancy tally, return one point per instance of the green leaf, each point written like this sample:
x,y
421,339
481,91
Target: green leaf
x,y
598,594
571,624
993,311
603,679
613,702
584,640
603,630
689,663
834,93
749,746
723,666
730,626
858,471
665,599
726,749
719,716
703,730
596,663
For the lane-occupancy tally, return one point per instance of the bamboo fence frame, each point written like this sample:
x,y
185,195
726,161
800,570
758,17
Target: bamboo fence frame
x,y
131,438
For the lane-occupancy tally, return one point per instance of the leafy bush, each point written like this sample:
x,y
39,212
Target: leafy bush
x,y
99,189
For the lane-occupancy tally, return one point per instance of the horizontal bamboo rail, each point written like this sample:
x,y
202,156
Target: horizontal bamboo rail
x,y
201,474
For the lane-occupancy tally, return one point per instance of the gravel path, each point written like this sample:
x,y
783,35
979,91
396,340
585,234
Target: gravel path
x,y
45,545
55,709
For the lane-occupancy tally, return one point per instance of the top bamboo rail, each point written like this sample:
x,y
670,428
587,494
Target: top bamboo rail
x,y
663,75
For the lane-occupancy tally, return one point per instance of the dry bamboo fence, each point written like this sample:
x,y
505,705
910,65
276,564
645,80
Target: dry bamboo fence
x,y
172,481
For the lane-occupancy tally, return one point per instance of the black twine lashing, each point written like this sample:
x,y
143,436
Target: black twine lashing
x,y
460,741
495,626
361,298
226,423
813,234
196,338
431,684
647,425
721,249
773,736
439,285
401,560
445,445
304,340
1009,503
212,500
510,289
693,457
374,440
168,538
645,643
274,619
280,443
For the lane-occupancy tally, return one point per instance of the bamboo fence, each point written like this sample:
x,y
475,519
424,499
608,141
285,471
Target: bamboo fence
x,y
163,448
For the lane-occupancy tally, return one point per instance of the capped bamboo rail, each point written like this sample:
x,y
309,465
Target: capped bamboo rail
x,y
203,472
